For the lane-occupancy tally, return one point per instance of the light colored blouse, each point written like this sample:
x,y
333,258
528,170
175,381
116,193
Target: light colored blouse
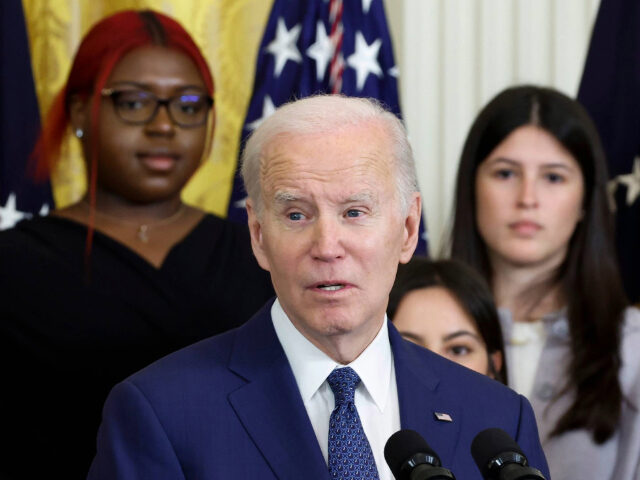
x,y
523,352
574,455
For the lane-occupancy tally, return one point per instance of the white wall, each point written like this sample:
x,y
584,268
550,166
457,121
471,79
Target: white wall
x,y
454,55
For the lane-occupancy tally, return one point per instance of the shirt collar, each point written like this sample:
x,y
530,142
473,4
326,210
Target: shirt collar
x,y
311,366
556,323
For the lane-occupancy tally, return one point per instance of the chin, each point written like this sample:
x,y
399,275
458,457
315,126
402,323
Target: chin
x,y
354,324
336,321
154,195
521,255
527,261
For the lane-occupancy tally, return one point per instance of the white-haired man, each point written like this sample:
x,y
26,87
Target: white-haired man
x,y
314,384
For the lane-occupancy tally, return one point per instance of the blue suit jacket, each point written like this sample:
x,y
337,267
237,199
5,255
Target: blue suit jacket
x,y
228,407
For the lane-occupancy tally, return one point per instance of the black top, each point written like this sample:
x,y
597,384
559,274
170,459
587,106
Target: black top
x,y
64,342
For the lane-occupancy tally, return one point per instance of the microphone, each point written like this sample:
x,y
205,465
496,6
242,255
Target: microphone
x,y
410,458
499,457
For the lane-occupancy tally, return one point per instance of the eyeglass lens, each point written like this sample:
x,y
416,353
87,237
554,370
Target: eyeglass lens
x,y
188,109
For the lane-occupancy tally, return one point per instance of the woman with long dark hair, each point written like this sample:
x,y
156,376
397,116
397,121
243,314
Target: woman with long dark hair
x,y
101,288
445,306
531,215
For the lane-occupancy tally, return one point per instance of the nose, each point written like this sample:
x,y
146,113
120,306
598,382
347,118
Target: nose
x,y
528,194
327,243
161,122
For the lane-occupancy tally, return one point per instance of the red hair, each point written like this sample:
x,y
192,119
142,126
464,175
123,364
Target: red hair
x,y
100,50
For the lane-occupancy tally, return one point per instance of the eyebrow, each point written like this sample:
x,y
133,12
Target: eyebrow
x,y
285,196
365,196
409,335
146,86
451,336
544,165
461,333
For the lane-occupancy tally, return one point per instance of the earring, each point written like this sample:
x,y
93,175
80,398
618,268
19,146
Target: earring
x,y
79,132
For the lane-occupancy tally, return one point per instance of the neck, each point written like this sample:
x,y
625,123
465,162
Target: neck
x,y
118,207
343,348
525,291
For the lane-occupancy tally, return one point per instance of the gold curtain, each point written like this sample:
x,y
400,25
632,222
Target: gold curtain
x,y
227,31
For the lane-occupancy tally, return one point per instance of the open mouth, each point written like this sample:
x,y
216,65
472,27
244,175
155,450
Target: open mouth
x,y
331,287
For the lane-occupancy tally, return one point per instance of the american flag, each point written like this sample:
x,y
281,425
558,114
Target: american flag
x,y
320,46
610,91
443,417
19,122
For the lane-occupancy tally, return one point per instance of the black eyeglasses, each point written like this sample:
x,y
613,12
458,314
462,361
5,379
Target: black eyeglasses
x,y
138,107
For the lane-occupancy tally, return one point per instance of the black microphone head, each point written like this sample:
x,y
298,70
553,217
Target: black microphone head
x,y
491,443
402,446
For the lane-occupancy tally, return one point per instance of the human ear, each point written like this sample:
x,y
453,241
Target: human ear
x,y
495,364
79,115
411,228
255,230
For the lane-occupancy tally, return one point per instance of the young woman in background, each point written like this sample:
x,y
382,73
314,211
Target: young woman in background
x,y
99,289
446,306
531,215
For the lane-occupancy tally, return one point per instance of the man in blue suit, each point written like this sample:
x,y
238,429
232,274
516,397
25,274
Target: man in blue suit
x,y
333,208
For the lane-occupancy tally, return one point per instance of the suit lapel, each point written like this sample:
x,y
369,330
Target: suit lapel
x,y
269,406
420,402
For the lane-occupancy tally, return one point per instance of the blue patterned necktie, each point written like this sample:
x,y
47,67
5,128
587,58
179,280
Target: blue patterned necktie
x,y
350,455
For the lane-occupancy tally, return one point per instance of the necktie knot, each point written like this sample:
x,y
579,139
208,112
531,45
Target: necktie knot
x,y
343,383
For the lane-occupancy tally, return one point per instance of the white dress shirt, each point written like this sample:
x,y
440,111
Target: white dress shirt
x,y
376,397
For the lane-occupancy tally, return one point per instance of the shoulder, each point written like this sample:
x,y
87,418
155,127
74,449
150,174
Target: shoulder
x,y
206,357
205,364
224,237
38,242
455,377
631,321
630,335
40,228
475,402
225,253
197,375
222,226
170,410
461,385
630,353
197,379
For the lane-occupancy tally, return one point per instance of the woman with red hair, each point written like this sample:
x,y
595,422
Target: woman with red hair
x,y
155,275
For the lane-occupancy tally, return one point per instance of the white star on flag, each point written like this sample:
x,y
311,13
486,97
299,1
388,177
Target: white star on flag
x,y
267,110
241,203
321,51
283,47
632,182
366,5
9,215
44,210
364,59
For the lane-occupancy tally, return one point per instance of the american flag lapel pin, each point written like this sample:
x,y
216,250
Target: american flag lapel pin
x,y
443,417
